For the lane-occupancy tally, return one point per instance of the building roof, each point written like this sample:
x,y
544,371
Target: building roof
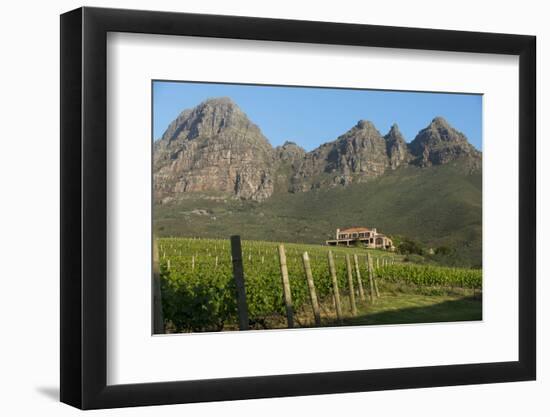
x,y
355,230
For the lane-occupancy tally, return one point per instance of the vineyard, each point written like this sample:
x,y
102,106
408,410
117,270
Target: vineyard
x,y
199,293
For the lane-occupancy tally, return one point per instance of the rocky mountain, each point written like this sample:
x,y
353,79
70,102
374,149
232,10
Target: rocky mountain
x,y
213,147
440,143
216,151
290,152
357,155
396,148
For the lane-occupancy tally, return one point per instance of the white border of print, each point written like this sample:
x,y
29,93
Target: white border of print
x,y
134,356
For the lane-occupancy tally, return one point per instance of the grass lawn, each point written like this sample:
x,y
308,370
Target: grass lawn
x,y
416,308
390,308
393,308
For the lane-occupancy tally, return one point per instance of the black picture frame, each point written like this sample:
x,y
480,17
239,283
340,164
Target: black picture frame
x,y
84,207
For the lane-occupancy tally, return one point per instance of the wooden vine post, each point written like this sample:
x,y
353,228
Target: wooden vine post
x,y
158,320
350,285
375,281
286,287
311,287
238,275
334,278
359,280
371,274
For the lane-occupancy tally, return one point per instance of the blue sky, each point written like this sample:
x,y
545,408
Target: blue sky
x,y
313,116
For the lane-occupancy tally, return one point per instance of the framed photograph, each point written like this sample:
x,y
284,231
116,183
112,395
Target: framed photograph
x,y
257,208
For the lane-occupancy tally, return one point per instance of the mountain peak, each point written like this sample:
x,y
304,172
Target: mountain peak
x,y
396,147
290,152
218,101
212,116
290,147
224,107
394,131
214,147
360,152
440,143
440,121
365,124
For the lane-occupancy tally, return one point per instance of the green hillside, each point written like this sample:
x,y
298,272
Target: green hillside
x,y
438,206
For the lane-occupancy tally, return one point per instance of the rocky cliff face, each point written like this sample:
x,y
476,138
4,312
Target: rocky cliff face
x,y
290,153
214,149
396,148
357,155
439,143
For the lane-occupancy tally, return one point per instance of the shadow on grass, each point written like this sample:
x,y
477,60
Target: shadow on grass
x,y
462,309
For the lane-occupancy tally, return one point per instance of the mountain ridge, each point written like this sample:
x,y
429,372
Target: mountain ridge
x,y
215,148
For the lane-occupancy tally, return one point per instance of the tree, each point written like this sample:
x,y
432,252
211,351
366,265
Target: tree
x,y
408,246
443,250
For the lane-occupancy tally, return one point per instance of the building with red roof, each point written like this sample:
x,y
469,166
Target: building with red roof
x,y
365,236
